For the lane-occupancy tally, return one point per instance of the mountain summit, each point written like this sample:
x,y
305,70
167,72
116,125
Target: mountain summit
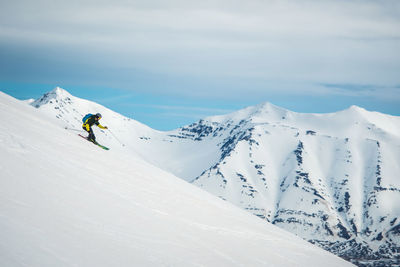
x,y
264,111
55,95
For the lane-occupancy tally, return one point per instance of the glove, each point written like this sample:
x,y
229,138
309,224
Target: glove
x,y
105,127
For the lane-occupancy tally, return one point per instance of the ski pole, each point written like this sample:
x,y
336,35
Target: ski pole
x,y
116,137
71,129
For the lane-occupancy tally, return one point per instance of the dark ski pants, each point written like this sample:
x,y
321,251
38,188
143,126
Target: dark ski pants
x,y
91,134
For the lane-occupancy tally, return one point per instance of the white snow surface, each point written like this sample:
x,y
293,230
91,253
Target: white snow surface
x,y
66,202
331,179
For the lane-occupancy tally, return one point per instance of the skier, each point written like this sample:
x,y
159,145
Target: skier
x,y
88,122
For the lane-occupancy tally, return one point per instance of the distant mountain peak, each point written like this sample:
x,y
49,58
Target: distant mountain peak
x,y
56,94
268,108
265,111
59,92
355,109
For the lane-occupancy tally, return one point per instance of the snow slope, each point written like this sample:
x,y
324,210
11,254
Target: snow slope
x,y
65,202
331,179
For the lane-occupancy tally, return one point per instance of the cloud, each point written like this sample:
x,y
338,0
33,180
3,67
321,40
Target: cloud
x,y
387,93
203,48
185,108
354,87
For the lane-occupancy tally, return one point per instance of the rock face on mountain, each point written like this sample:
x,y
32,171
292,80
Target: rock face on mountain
x,y
332,179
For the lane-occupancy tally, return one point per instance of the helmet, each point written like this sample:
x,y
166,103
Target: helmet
x,y
98,115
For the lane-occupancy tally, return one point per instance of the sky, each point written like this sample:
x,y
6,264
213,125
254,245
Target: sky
x,y
170,63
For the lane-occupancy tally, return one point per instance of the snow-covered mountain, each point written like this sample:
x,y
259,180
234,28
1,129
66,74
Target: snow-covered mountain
x,y
332,179
66,202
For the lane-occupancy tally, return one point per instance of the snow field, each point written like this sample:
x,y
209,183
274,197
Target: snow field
x,y
65,202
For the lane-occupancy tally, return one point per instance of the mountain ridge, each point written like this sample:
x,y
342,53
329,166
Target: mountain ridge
x,y
329,178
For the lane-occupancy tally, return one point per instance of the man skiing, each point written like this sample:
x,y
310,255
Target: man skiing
x,y
88,122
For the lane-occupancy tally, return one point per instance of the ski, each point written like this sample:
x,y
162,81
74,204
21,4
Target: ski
x,y
103,147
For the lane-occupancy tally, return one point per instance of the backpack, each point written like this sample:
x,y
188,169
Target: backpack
x,y
87,116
